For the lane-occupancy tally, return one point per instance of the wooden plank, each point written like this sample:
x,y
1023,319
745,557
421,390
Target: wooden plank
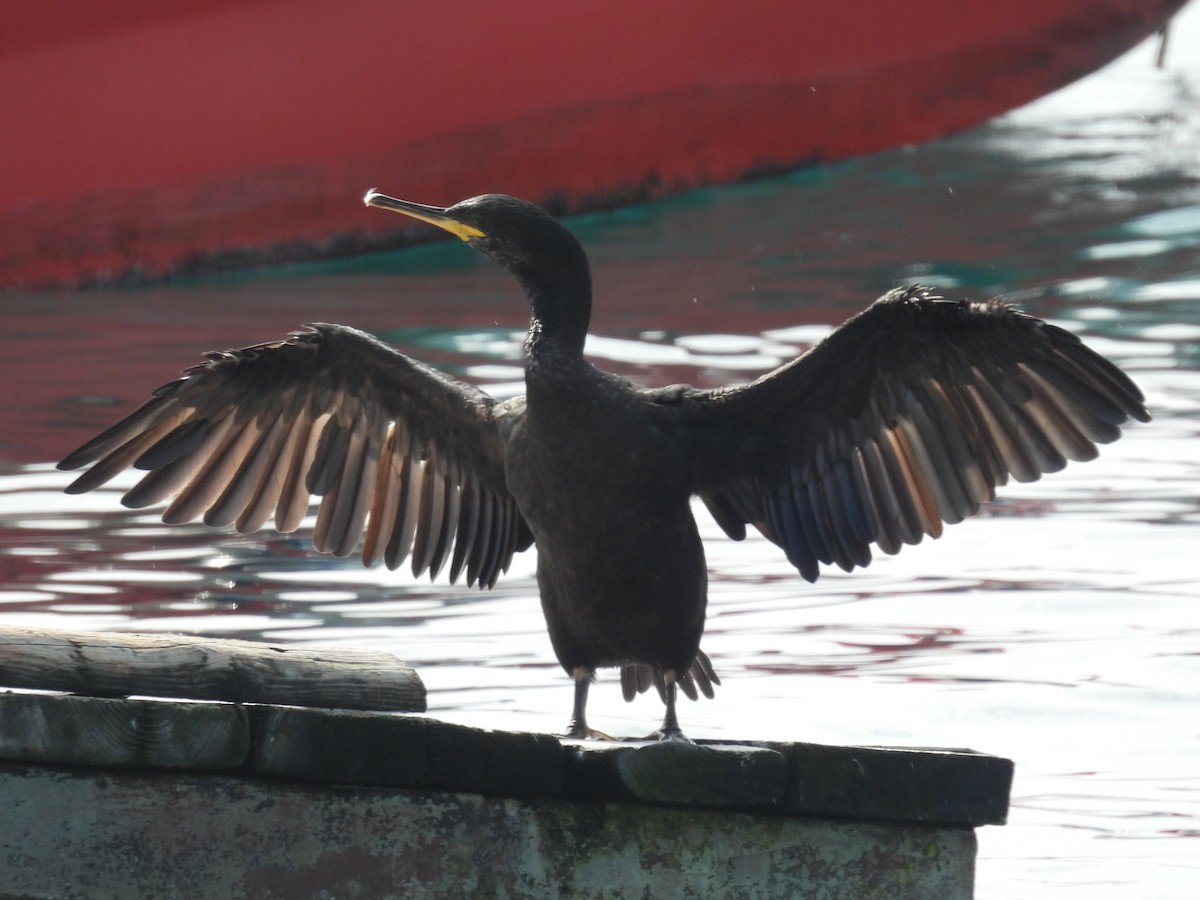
x,y
350,747
946,787
677,772
344,747
499,763
92,731
949,787
121,664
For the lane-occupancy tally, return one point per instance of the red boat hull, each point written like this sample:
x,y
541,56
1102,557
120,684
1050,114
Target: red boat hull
x,y
146,139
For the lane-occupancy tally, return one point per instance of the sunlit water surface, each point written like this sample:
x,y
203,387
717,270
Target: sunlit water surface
x,y
1060,629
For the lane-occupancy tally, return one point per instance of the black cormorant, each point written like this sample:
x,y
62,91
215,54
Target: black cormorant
x,y
906,417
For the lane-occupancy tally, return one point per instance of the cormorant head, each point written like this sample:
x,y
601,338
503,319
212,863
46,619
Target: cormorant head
x,y
525,239
517,234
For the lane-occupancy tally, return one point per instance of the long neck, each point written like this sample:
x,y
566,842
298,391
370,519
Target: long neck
x,y
560,301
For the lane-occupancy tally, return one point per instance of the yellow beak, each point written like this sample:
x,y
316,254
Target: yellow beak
x,y
434,215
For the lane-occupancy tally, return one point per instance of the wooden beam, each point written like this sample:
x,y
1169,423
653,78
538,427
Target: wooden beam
x,y
110,664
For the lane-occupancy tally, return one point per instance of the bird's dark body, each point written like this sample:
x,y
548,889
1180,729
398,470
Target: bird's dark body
x,y
907,417
621,568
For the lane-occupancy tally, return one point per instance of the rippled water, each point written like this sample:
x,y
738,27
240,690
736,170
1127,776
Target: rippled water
x,y
1061,628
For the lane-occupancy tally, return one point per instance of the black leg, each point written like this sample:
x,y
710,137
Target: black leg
x,y
670,730
578,728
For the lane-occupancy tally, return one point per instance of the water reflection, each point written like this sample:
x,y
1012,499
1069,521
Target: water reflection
x,y
1060,628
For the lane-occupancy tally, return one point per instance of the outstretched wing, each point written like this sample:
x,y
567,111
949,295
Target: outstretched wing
x,y
394,449
907,416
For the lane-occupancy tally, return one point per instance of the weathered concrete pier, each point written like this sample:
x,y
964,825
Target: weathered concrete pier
x,y
333,790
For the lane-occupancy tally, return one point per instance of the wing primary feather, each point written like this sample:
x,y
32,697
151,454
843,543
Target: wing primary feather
x,y
468,522
1012,389
960,392
429,515
1038,455
179,442
362,502
1002,430
838,523
924,475
378,522
941,472
986,444
915,467
172,478
130,428
394,504
1085,394
831,504
1058,429
382,514
322,529
347,497
822,514
909,520
491,548
1090,413
827,528
294,497
246,480
1103,376
776,532
411,480
764,518
969,446
502,538
847,517
883,496
814,545
258,510
784,513
768,507
449,523
722,511
221,484
495,546
852,482
510,545
743,497
483,537
219,467
1046,456
158,485
326,466
123,455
